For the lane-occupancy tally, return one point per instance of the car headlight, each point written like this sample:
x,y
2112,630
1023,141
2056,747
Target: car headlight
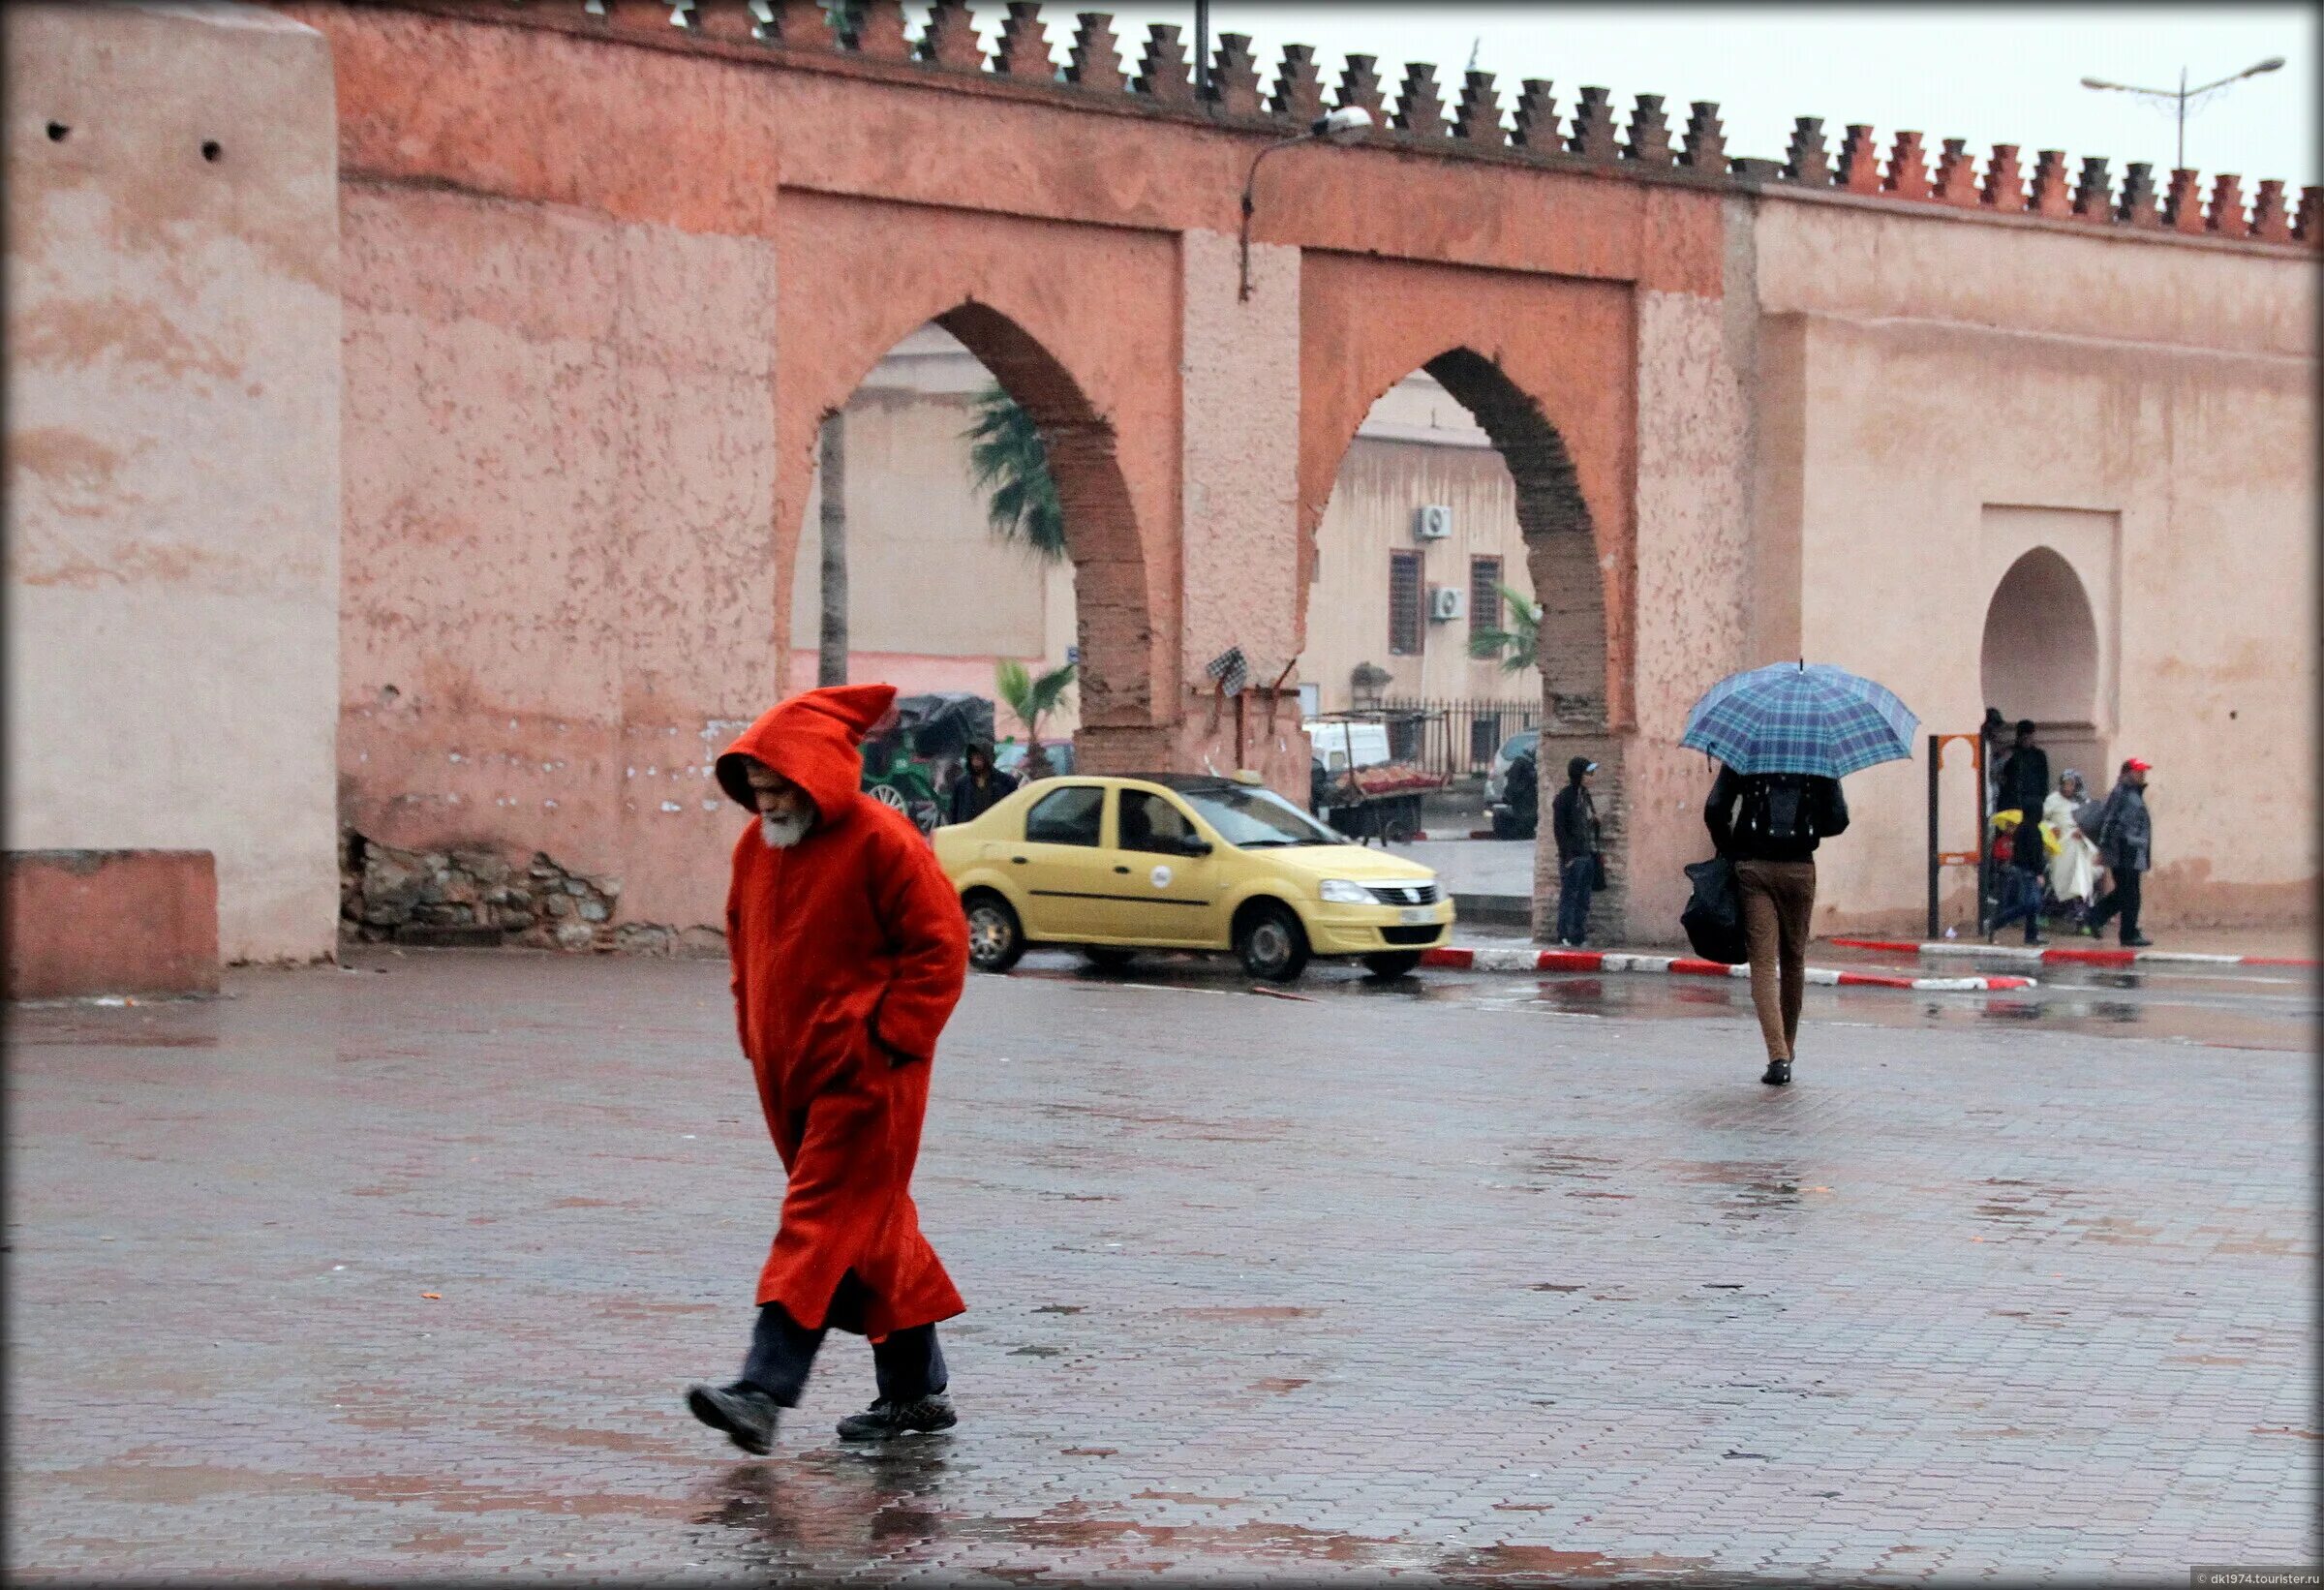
x,y
1342,892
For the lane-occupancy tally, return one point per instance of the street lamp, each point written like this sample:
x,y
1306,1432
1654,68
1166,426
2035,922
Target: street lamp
x,y
2183,93
1344,125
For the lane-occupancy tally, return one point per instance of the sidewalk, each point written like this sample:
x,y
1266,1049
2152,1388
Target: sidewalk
x,y
2196,946
1526,959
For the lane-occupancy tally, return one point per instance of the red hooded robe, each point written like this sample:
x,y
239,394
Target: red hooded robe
x,y
849,951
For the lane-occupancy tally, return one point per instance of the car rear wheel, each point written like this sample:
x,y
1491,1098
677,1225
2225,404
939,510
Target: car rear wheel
x,y
1272,943
1106,957
995,937
1392,963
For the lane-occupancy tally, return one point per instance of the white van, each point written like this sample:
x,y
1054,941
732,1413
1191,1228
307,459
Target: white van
x,y
1340,743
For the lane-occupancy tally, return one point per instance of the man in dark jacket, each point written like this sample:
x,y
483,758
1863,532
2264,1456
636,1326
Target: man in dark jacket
x,y
981,785
1772,843
1573,818
2127,845
2022,785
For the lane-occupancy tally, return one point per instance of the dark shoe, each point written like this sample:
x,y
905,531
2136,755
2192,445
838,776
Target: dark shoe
x,y
747,1414
884,1421
1778,1073
2136,941
2035,938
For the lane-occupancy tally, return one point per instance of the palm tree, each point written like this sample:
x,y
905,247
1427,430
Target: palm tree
x,y
1517,646
1032,697
1010,462
831,663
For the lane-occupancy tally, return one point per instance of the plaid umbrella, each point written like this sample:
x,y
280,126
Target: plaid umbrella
x,y
1794,717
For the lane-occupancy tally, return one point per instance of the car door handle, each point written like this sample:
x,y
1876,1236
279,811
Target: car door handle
x,y
1123,871
1018,860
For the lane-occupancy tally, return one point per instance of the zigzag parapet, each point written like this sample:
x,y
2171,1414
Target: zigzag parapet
x,y
1237,92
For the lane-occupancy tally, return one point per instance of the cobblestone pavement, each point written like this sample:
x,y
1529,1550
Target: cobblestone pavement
x,y
1296,1288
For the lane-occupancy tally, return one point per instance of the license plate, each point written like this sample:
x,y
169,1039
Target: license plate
x,y
1413,916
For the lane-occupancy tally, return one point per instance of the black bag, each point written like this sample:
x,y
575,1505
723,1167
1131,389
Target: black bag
x,y
1713,917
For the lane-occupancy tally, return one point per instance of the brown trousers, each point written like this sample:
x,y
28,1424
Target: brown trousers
x,y
1779,898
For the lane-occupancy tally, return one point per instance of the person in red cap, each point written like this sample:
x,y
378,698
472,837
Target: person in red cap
x,y
2127,845
849,951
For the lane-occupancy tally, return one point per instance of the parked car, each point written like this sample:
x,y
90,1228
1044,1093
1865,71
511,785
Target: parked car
x,y
1179,862
1010,757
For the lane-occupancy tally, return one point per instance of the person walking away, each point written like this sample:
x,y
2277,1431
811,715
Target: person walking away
x,y
2074,865
2021,786
1772,841
980,786
2127,845
1573,817
849,951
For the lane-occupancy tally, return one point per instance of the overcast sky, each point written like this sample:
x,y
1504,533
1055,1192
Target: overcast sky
x,y
1992,75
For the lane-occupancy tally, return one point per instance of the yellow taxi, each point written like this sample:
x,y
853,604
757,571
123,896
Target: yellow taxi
x,y
1176,862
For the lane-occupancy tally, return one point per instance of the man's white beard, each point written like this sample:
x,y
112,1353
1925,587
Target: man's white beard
x,y
781,833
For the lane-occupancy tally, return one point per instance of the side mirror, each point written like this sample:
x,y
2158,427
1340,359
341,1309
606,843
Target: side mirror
x,y
1194,846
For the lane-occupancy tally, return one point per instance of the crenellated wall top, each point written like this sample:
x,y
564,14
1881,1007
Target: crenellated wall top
x,y
1155,76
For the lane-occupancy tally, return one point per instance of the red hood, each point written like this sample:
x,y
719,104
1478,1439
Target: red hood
x,y
810,739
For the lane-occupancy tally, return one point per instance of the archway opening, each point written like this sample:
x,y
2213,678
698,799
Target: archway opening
x,y
1455,593
980,528
2040,660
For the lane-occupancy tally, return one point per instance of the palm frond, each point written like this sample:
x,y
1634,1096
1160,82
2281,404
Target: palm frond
x,y
1518,644
1009,461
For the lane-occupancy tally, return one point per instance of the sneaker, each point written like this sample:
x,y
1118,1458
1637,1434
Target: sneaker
x,y
1778,1073
2136,941
747,1414
884,1421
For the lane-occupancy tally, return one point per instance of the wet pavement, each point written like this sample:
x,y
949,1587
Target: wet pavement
x,y
398,1271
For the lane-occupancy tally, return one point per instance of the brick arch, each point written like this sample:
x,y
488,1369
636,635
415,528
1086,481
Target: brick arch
x,y
1576,568
1115,629
1065,322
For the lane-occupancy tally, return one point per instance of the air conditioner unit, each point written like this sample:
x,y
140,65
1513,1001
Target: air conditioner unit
x,y
1432,522
1447,602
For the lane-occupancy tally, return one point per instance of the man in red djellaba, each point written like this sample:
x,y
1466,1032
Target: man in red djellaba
x,y
849,951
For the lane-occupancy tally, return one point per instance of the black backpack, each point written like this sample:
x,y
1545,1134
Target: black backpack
x,y
1779,805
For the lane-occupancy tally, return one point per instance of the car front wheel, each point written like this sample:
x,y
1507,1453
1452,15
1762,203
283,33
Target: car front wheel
x,y
1272,943
995,937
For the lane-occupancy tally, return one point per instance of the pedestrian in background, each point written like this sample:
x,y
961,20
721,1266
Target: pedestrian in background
x,y
1772,841
2021,785
849,952
2074,865
980,785
2127,845
1581,851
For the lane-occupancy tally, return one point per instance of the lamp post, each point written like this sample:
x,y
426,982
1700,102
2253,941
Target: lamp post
x,y
1344,125
2183,93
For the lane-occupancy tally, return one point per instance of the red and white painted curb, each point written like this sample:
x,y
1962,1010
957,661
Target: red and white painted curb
x,y
1524,958
2070,955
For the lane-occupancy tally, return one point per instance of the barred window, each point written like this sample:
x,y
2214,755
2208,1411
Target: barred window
x,y
1485,594
1406,623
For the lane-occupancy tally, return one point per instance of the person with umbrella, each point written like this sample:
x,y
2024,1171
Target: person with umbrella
x,y
1784,737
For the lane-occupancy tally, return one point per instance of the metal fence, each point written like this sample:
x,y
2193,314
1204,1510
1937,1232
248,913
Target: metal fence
x,y
1457,738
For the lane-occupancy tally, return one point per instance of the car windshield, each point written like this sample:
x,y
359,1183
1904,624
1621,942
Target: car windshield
x,y
1257,819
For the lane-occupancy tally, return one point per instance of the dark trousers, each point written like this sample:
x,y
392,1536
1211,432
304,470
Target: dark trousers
x,y
2122,898
1574,882
2020,898
1779,902
908,1365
